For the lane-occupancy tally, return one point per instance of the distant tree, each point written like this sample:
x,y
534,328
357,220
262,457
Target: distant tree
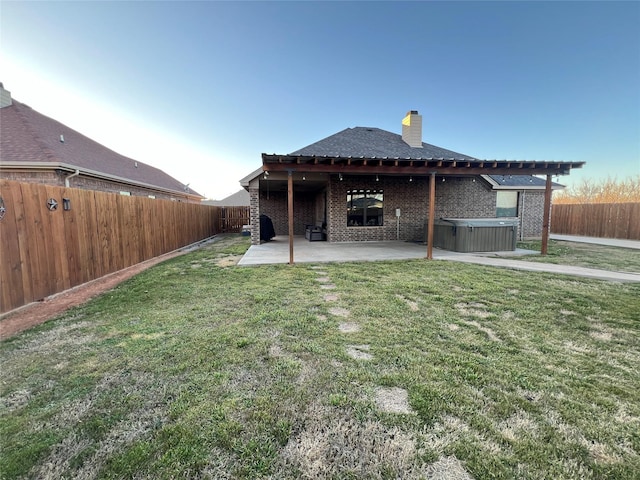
x,y
609,190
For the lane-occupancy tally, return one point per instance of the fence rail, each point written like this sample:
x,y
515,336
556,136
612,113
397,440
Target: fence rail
x,y
606,220
45,251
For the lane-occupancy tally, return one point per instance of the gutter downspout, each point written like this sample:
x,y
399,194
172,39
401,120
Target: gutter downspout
x,y
66,180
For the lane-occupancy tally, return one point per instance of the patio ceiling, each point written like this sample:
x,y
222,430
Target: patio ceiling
x,y
413,166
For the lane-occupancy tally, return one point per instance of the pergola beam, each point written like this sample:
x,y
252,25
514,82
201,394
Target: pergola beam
x,y
423,170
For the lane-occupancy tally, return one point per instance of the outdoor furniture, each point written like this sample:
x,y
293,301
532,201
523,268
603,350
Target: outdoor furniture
x,y
315,233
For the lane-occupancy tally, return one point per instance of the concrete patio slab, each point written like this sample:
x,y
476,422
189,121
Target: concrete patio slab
x,y
277,251
304,251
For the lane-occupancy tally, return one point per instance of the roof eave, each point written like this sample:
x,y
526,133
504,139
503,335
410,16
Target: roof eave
x,y
413,166
245,181
497,186
93,173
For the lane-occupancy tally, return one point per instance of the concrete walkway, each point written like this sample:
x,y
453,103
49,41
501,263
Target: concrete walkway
x,y
547,267
612,242
277,251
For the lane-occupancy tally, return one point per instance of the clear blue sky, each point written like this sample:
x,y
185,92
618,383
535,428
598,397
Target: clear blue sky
x,y
200,89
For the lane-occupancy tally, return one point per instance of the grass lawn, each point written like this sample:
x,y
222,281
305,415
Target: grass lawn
x,y
198,368
585,255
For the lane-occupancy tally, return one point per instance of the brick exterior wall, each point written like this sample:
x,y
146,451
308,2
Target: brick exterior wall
x,y
254,212
274,205
410,197
531,211
456,197
49,177
462,197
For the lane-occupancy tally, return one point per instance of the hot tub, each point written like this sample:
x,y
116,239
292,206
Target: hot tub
x,y
475,234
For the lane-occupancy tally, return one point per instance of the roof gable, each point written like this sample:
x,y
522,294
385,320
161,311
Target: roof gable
x,y
29,136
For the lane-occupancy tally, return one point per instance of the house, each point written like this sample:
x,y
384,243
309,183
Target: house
x,y
36,148
238,199
368,184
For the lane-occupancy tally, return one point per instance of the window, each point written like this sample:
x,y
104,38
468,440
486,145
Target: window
x,y
364,208
507,204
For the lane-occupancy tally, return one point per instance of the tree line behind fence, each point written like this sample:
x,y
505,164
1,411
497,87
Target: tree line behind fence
x,y
54,238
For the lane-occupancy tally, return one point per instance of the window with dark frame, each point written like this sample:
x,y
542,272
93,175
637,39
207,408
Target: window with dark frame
x,y
365,208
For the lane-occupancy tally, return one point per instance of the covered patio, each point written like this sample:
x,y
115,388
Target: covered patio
x,y
372,186
297,168
277,251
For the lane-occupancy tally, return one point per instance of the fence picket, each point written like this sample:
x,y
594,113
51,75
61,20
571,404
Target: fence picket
x,y
607,220
44,252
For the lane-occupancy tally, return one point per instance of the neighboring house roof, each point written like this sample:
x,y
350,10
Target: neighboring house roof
x,y
374,143
239,199
30,139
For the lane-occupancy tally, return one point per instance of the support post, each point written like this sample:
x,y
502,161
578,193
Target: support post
x,y
290,215
546,216
432,213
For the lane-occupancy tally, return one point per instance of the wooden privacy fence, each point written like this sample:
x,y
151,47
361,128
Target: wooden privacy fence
x,y
89,234
233,218
607,220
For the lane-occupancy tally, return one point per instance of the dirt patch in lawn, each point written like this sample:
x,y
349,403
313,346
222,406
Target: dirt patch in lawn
x,y
228,261
359,352
333,443
349,327
36,313
393,400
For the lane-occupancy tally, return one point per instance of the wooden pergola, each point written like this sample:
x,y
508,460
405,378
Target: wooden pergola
x,y
416,167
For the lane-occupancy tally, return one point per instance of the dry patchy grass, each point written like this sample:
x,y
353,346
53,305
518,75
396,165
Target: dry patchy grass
x,y
201,369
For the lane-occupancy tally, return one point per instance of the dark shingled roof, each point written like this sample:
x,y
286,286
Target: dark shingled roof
x,y
371,142
374,143
238,199
29,136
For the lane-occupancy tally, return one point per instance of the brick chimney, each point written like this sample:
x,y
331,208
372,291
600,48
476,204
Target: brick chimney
x,y
5,97
412,129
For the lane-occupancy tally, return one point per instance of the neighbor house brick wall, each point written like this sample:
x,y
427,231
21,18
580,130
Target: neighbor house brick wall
x,y
50,177
45,177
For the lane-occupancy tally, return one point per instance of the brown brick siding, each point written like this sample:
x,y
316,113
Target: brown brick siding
x,y
456,197
531,211
274,205
462,197
45,177
49,177
254,199
410,197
